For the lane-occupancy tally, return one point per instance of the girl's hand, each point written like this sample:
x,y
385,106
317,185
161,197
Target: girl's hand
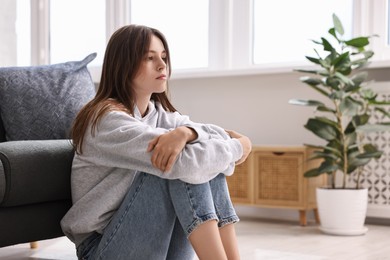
x,y
166,147
245,143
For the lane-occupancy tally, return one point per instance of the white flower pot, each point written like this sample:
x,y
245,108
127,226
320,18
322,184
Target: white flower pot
x,y
342,211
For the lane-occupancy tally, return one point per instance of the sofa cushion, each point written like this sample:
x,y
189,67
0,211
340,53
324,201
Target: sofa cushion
x,y
41,102
35,171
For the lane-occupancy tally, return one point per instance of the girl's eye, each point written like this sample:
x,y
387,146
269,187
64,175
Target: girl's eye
x,y
151,58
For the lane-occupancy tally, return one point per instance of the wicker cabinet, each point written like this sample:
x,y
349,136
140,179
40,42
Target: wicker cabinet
x,y
272,176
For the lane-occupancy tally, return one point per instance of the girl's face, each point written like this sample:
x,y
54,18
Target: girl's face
x,y
152,75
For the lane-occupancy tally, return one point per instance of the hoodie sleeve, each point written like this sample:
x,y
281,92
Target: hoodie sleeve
x,y
172,120
121,141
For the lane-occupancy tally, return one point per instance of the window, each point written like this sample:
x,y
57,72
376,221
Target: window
x,y
15,29
185,25
283,29
388,23
77,28
23,33
378,12
206,37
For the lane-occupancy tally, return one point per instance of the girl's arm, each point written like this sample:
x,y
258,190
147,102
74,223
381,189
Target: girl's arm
x,y
122,141
245,143
166,147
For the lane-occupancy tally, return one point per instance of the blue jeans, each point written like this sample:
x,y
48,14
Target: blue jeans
x,y
157,216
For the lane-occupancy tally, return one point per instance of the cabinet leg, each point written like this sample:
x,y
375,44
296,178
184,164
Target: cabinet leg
x,y
302,218
33,245
317,216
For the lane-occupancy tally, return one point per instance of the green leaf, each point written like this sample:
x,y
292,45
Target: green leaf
x,y
359,78
302,102
357,159
327,45
350,128
316,42
337,24
328,167
327,121
322,129
314,60
320,90
324,155
358,42
384,127
368,54
341,60
370,151
349,107
325,63
308,71
337,95
332,32
311,173
326,109
355,122
352,88
359,63
311,81
335,147
370,148
354,162
359,66
330,147
333,82
360,119
346,70
368,94
344,79
370,155
350,139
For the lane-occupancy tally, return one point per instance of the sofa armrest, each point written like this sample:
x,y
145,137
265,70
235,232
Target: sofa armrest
x,y
35,171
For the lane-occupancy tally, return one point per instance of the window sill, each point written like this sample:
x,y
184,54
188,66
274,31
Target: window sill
x,y
237,72
252,71
259,70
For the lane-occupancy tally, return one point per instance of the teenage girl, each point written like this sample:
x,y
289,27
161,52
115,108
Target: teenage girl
x,y
148,183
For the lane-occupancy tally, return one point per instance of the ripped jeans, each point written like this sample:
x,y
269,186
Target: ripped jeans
x,y
157,216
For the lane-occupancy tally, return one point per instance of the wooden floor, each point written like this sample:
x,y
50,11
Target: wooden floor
x,y
289,241
258,239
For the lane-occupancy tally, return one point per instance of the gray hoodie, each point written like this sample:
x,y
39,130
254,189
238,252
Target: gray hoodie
x,y
116,152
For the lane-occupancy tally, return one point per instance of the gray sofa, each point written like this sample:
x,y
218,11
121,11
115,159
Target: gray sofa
x,y
34,189
37,107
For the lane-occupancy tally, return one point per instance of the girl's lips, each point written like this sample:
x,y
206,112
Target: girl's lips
x,y
162,76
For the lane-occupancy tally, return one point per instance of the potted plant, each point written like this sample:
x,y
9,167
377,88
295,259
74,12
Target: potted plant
x,y
342,121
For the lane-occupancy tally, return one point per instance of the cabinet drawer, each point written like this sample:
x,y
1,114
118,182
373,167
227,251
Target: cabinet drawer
x,y
279,178
241,183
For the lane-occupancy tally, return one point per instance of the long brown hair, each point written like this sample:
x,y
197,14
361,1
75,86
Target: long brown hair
x,y
124,53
